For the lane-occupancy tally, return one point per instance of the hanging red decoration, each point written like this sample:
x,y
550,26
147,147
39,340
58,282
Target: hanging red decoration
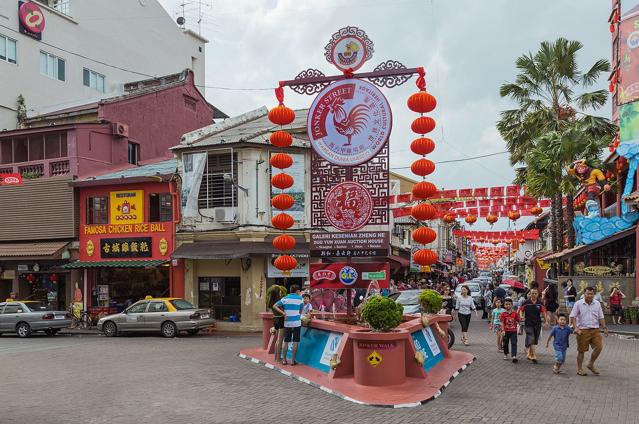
x,y
284,242
423,125
424,190
495,242
30,278
522,241
536,210
53,278
285,263
282,201
424,235
471,219
281,115
422,146
281,160
422,167
514,215
282,221
281,139
448,218
421,102
491,219
425,257
423,212
282,181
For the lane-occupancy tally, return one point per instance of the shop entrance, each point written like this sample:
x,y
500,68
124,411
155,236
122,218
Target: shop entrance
x,y
117,288
5,289
222,295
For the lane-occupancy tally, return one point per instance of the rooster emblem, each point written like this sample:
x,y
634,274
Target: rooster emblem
x,y
349,124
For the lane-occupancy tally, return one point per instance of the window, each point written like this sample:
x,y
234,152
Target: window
x,y
134,153
93,80
138,308
8,49
61,6
160,207
215,190
97,210
181,304
222,295
12,309
32,148
157,307
52,66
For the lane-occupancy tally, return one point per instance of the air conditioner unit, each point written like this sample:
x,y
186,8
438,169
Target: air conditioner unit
x,y
120,130
224,214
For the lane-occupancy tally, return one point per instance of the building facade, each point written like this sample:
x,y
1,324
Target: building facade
x,y
86,50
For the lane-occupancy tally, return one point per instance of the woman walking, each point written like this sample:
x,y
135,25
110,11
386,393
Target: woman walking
x,y
570,294
447,300
278,323
551,302
464,305
616,296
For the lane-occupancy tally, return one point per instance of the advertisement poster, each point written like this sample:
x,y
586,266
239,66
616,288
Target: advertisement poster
x,y
316,348
296,190
353,244
629,60
126,207
349,275
426,342
301,271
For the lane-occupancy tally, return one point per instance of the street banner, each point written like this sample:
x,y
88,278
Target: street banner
x,y
350,244
344,275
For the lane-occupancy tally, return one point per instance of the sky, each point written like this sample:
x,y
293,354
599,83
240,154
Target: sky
x,y
468,48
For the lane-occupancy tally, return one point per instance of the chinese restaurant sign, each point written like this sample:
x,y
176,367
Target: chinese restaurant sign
x,y
126,207
349,275
133,247
353,244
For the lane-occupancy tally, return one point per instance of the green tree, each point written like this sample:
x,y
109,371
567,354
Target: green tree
x,y
551,97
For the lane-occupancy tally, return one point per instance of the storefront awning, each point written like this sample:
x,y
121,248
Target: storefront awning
x,y
578,250
39,250
114,264
403,262
222,249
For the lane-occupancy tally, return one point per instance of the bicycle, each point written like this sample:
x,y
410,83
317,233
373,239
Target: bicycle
x,y
80,319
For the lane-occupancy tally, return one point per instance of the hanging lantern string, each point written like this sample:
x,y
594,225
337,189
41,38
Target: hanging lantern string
x,y
421,79
279,93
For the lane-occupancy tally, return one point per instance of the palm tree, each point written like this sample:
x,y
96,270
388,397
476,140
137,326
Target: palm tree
x,y
549,92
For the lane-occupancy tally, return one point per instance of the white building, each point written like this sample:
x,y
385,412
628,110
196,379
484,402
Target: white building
x,y
86,51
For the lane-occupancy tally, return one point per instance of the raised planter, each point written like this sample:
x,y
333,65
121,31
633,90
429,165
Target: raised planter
x,y
379,359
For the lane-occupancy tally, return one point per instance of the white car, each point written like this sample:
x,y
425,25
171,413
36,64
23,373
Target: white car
x,y
475,291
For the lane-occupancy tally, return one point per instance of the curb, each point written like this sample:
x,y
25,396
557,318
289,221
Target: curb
x,y
343,397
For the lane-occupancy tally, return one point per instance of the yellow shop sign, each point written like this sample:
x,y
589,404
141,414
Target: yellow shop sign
x,y
126,207
598,270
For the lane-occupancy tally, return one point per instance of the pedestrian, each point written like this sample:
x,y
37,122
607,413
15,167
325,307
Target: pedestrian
x,y
616,296
531,312
291,307
495,323
464,306
447,300
509,325
278,322
561,334
586,318
570,294
488,301
499,293
307,307
549,297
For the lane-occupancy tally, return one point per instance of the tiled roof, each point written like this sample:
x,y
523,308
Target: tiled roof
x,y
25,250
165,167
114,264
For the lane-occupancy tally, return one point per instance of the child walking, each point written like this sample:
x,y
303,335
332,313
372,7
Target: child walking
x,y
561,332
509,324
495,324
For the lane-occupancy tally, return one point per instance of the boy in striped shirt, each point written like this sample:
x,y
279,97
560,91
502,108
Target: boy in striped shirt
x,y
291,307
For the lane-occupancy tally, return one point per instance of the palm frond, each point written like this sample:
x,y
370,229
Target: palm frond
x,y
592,100
592,75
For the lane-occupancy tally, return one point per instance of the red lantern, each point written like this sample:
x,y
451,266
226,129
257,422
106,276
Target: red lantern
x,y
282,181
422,167
522,241
448,218
281,115
424,190
53,278
281,160
423,212
282,221
423,125
491,219
514,215
421,102
471,219
425,257
422,146
284,242
285,263
30,278
282,201
536,210
281,139
495,242
424,235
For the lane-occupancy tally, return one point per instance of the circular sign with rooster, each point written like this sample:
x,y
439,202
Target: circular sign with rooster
x,y
349,49
348,206
349,122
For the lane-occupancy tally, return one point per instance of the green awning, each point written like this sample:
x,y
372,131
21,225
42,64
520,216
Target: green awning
x,y
114,264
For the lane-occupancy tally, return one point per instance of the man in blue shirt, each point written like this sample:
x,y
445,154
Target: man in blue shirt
x,y
561,333
291,307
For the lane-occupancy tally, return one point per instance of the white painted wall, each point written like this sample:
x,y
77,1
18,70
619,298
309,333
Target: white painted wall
x,y
134,35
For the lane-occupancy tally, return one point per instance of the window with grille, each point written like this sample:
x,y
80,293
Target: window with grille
x,y
52,66
8,51
216,191
97,210
160,207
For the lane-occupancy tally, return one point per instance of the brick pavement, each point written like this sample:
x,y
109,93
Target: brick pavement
x,y
92,379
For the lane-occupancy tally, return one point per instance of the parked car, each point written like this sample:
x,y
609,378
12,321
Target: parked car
x,y
168,316
475,291
409,300
28,316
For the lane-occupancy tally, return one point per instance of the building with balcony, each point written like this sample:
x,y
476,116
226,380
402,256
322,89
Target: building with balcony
x,y
86,50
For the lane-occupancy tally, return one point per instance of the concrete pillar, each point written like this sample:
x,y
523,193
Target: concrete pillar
x,y
253,284
190,289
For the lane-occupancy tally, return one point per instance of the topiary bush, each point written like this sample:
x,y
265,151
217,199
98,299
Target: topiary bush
x,y
382,313
431,301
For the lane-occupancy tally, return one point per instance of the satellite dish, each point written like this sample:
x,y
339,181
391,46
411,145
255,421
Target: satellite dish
x,y
181,20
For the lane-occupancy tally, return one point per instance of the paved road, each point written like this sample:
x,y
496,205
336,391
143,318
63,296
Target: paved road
x,y
91,379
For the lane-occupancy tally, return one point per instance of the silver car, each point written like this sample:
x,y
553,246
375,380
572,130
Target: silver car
x,y
26,317
167,316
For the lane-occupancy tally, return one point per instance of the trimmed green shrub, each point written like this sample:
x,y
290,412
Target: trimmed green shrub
x,y
431,301
382,313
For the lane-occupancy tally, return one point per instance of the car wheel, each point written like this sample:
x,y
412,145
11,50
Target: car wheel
x,y
110,329
193,332
23,330
451,338
169,329
50,332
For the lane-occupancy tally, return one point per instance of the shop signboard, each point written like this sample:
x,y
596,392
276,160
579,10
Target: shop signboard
x,y
629,60
126,207
297,171
344,275
131,247
426,343
316,348
301,271
11,179
31,19
350,244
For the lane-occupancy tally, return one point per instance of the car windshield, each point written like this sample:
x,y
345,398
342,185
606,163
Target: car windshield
x,y
35,306
408,298
181,304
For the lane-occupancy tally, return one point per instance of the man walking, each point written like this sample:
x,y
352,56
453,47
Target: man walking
x,y
531,311
587,318
291,307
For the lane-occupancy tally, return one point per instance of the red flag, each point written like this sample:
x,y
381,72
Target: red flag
x,y
497,192
513,190
466,192
404,198
481,192
471,203
449,194
484,202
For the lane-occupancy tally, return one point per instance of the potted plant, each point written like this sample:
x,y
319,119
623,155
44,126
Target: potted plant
x,y
431,302
382,313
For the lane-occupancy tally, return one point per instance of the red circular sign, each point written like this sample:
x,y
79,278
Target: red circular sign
x,y
348,206
349,122
349,49
31,17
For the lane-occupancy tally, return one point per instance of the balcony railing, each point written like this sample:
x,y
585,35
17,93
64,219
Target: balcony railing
x,y
38,169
